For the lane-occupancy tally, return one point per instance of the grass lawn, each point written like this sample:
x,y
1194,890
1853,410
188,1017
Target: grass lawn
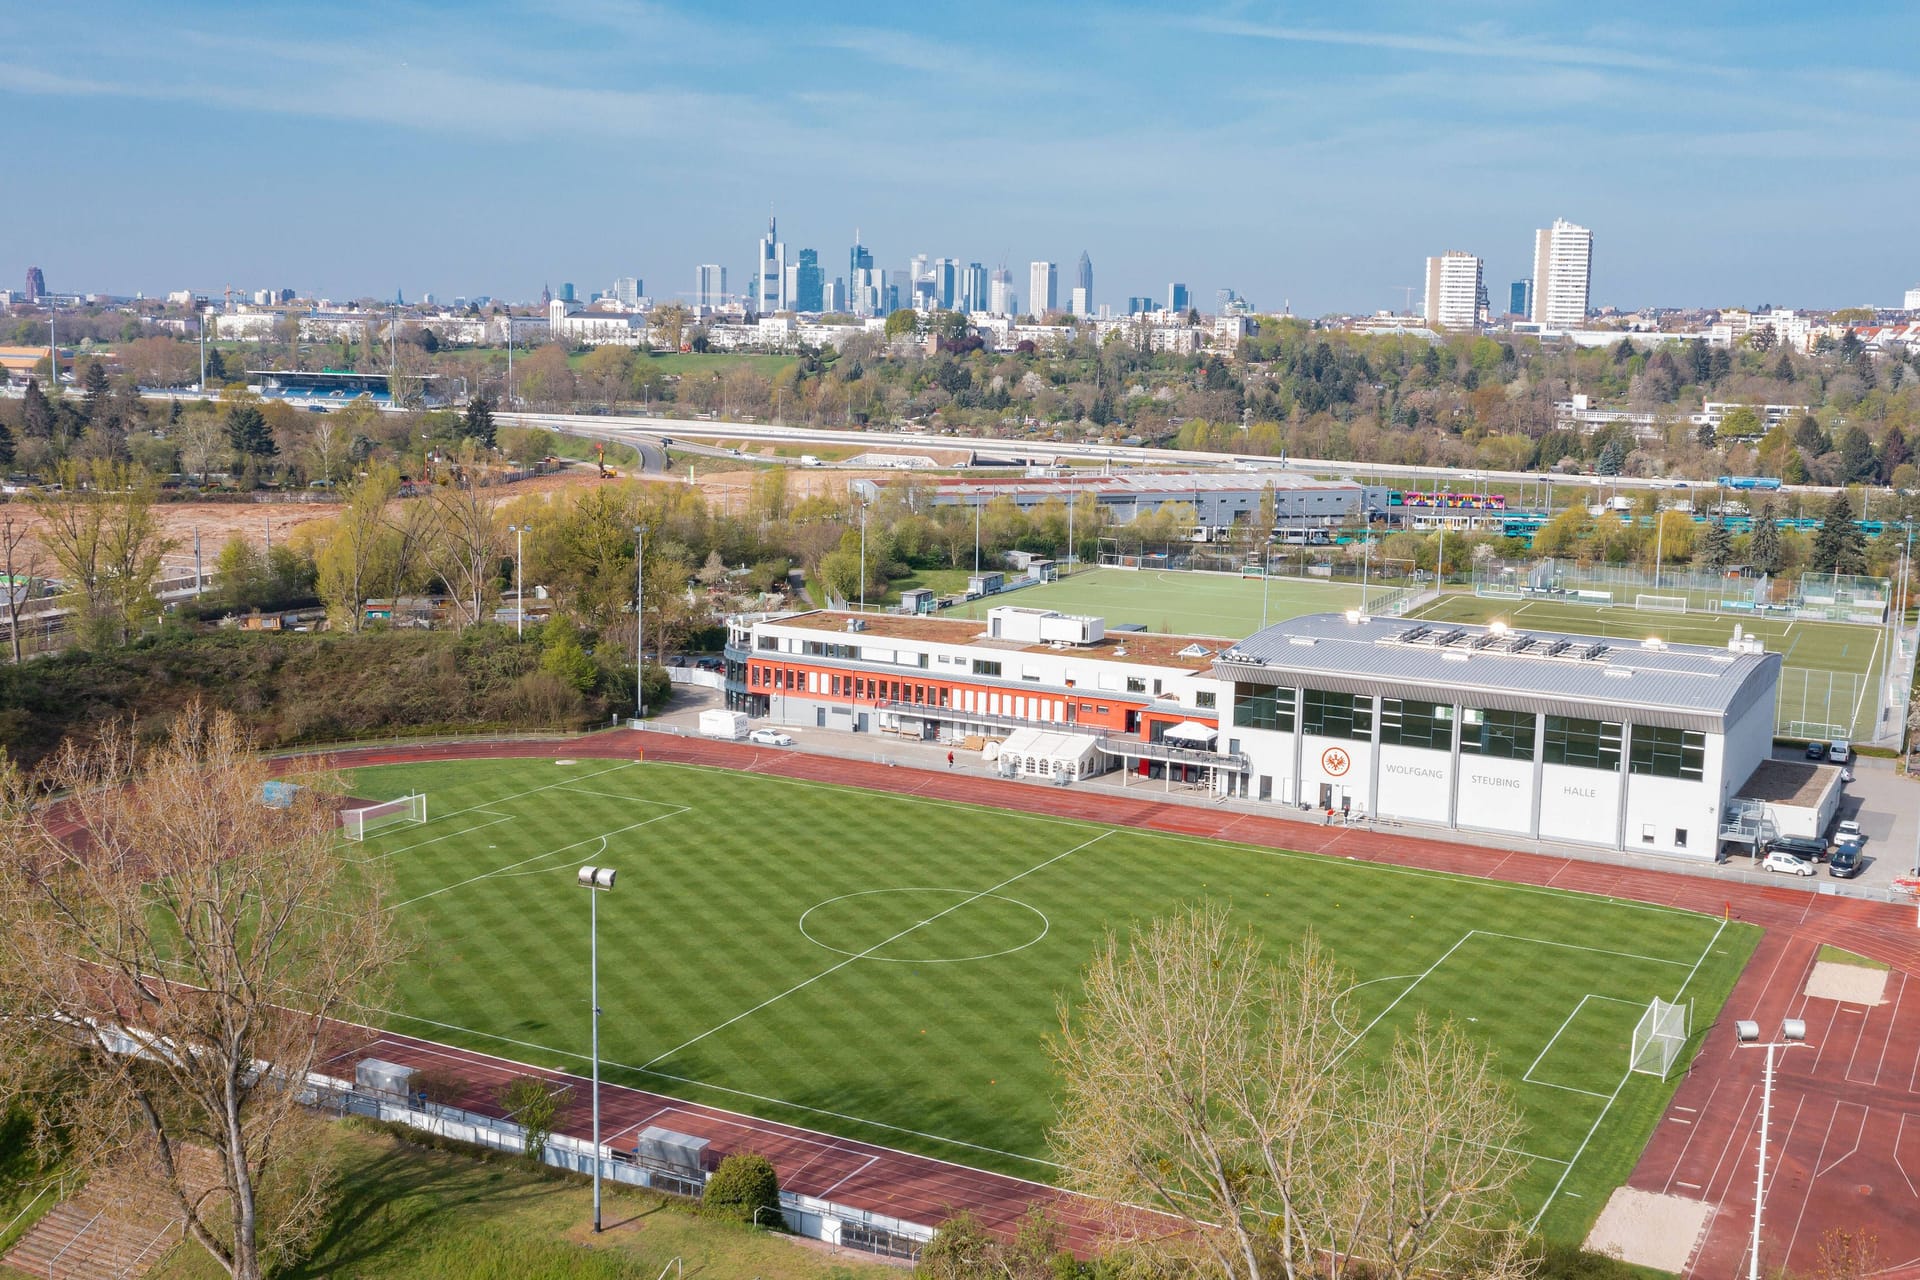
x,y
1204,604
1830,679
409,1213
886,968
941,581
694,364
1830,954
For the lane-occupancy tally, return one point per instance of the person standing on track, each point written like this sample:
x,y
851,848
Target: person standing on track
x,y
949,759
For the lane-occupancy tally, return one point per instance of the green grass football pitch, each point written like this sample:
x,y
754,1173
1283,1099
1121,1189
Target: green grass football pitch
x,y
1202,604
1830,671
886,968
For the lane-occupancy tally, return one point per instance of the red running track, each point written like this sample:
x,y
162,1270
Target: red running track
x,y
1847,1116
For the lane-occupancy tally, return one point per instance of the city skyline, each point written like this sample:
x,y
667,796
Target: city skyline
x,y
468,131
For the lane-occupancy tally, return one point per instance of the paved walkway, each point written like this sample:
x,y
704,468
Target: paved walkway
x,y
1796,919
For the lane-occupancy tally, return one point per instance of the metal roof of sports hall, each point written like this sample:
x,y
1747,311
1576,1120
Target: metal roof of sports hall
x,y
1498,668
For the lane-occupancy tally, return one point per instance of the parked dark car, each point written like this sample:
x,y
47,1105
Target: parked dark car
x,y
1816,751
1845,863
1812,850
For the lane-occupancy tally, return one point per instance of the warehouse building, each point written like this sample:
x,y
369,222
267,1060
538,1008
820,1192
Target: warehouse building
x,y
1556,737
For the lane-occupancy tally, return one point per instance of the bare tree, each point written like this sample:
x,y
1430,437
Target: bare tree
x,y
172,954
101,531
360,553
465,543
202,439
1209,1084
20,563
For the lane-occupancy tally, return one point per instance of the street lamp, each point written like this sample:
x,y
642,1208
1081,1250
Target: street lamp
x,y
596,881
639,622
1793,1032
519,582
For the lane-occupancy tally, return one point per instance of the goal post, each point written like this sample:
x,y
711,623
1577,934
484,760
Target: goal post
x,y
1660,604
357,823
1660,1036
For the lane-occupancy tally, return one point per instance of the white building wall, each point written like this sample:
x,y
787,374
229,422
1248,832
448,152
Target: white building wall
x,y
1415,783
1580,806
1343,765
1496,794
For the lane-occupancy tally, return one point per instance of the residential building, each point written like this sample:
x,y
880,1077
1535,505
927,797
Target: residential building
x,y
1912,302
1083,280
1572,738
808,283
770,280
1562,275
1520,298
1454,290
710,286
1178,299
1043,288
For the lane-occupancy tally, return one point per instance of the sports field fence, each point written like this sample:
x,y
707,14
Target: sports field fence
x,y
1821,597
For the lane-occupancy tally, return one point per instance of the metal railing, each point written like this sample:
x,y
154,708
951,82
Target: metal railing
x,y
54,1261
159,1236
1114,744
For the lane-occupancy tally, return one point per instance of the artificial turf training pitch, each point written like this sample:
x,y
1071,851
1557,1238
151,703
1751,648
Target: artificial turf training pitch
x,y
886,967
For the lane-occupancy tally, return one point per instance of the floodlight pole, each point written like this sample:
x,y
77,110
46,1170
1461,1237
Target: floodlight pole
x,y
863,557
978,498
1659,540
519,584
596,881
1793,1033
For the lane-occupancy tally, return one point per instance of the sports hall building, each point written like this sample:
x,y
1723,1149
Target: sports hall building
x,y
1479,728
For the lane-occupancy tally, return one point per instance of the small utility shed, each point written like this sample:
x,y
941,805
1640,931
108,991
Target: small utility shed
x,y
1788,798
1057,757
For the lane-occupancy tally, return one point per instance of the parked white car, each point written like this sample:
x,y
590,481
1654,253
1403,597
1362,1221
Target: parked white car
x,y
1840,753
1781,860
1848,835
770,738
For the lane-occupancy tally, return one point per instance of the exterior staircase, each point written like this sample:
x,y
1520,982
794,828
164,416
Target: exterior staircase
x,y
112,1229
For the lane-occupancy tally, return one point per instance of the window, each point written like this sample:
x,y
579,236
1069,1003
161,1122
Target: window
x,y
1336,715
1204,699
981,667
1583,744
1668,753
1646,833
1136,685
827,649
1501,735
1679,837
1406,723
1263,706
769,643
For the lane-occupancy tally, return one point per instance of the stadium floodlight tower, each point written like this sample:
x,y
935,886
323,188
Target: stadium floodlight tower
x,y
640,624
1793,1032
596,881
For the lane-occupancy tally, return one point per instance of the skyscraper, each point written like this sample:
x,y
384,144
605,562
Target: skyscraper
x,y
1454,290
1562,274
1083,279
710,285
1043,288
36,285
1077,303
1520,298
973,288
809,283
946,282
625,291
1000,300
1178,298
770,280
566,291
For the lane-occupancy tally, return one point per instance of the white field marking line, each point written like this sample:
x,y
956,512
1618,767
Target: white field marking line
x,y
1806,1193
1899,1135
485,875
1215,845
938,915
1680,1156
825,1142
1424,975
1568,1171
1394,977
756,1097
871,1161
1628,1075
464,831
1574,946
1867,679
1527,1076
1893,1020
1865,1112
614,795
481,805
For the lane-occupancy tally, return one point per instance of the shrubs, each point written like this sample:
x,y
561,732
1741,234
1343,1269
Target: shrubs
x,y
743,1184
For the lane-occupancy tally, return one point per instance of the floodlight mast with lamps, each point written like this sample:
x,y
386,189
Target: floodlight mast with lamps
x,y
519,582
1793,1033
596,880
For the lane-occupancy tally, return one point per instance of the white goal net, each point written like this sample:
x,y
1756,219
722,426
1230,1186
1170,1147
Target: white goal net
x,y
357,823
1660,604
1660,1036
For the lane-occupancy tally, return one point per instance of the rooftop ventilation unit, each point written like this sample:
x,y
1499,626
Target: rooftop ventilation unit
x,y
1592,651
1558,647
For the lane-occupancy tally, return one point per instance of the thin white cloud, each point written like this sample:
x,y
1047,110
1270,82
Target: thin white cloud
x,y
1481,43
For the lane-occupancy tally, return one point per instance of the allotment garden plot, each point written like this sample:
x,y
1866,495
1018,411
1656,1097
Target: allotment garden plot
x,y
887,968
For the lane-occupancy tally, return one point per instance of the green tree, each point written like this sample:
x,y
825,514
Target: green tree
x,y
477,422
533,1104
1857,462
1765,553
1612,458
745,1186
97,388
567,662
6,445
903,322
249,434
1840,546
1716,549
37,414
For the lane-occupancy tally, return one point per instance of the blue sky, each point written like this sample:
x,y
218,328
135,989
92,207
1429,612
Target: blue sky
x,y
1305,153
